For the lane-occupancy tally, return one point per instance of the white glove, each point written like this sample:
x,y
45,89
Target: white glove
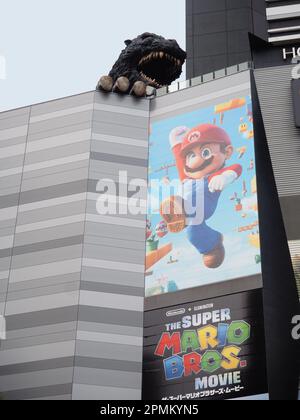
x,y
177,135
220,182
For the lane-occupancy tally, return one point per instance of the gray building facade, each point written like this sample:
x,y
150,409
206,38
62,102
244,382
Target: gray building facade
x,y
283,21
71,281
276,101
218,33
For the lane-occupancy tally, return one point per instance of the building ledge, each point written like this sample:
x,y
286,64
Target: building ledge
x,y
209,77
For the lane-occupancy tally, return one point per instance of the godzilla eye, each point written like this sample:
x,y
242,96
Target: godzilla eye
x,y
206,154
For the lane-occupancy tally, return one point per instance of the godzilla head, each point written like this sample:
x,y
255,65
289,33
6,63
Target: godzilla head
x,y
152,59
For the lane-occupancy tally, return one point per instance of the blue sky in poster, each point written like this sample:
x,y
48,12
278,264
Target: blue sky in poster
x,y
240,260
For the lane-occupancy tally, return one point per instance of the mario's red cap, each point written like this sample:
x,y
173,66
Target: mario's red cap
x,y
204,134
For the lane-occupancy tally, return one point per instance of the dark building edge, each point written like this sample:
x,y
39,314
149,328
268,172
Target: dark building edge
x,y
279,287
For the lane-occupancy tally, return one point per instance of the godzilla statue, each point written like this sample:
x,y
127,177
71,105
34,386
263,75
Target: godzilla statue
x,y
147,63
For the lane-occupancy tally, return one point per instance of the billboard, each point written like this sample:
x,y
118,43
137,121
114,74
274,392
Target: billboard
x,y
203,224
212,349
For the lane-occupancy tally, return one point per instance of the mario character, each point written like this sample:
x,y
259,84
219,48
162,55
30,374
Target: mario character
x,y
201,155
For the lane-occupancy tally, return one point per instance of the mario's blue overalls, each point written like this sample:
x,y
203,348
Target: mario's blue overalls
x,y
201,236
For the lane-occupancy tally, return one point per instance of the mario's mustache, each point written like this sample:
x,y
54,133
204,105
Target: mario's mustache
x,y
201,167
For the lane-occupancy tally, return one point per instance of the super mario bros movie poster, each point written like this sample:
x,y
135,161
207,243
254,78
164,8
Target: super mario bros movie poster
x,y
203,221
203,350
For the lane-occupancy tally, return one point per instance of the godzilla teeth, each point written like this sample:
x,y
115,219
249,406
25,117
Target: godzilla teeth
x,y
160,55
152,81
157,55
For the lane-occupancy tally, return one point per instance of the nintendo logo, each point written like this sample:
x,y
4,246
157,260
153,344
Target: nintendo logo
x,y
175,312
2,67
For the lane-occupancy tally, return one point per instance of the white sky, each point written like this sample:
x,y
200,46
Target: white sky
x,y
55,48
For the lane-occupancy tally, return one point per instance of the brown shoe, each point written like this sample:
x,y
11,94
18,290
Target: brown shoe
x,y
216,257
172,211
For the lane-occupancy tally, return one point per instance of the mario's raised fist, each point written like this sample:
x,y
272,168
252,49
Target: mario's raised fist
x,y
177,135
220,182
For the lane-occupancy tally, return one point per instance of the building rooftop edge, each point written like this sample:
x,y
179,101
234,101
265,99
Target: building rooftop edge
x,y
175,87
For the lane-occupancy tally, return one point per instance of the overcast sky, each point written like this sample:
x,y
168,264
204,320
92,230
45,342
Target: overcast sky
x,y
55,48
